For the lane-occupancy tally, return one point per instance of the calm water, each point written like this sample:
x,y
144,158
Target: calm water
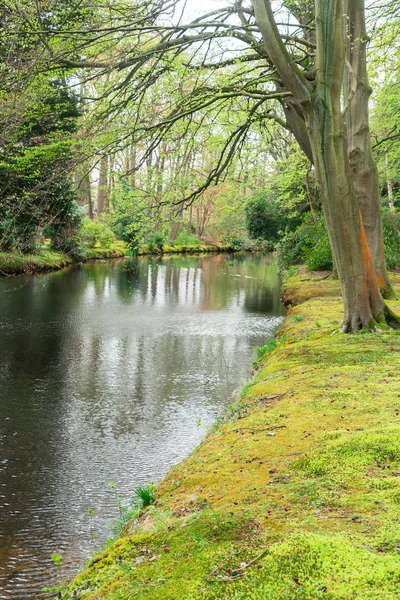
x,y
111,372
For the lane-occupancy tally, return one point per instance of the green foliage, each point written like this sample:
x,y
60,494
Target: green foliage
x,y
264,219
270,345
129,218
145,494
56,559
96,232
309,243
35,188
155,241
391,238
187,239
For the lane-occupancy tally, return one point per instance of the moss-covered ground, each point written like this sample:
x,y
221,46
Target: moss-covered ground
x,y
297,495
13,263
187,248
47,260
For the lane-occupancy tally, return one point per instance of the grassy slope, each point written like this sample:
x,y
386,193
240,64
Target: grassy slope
x,y
14,264
305,470
48,260
32,263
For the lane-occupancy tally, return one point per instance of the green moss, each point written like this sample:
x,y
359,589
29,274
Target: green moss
x,y
32,263
302,477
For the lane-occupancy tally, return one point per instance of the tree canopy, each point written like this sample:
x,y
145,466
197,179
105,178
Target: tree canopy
x,y
189,97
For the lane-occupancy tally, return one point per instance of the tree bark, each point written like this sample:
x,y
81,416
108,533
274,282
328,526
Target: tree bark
x,y
102,191
320,103
363,167
389,185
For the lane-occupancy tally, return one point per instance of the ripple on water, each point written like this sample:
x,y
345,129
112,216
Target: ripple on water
x,y
112,375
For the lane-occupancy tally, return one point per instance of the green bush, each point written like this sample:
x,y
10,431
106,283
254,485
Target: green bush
x,y
264,219
186,239
391,238
237,243
308,244
129,218
155,242
96,232
37,196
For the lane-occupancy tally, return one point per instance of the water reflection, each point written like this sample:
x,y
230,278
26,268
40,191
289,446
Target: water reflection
x,y
106,370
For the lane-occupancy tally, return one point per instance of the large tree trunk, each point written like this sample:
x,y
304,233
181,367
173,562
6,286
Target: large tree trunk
x,y
363,167
363,303
320,103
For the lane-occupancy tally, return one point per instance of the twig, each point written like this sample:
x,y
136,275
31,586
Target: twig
x,y
95,406
236,573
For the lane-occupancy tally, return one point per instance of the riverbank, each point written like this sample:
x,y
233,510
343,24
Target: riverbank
x,y
51,260
296,495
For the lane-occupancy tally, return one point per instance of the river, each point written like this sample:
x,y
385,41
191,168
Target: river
x,y
112,372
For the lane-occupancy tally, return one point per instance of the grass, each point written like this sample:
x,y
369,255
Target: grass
x,y
297,496
50,260
46,260
13,263
186,248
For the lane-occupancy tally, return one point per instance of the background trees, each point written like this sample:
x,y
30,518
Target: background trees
x,y
178,104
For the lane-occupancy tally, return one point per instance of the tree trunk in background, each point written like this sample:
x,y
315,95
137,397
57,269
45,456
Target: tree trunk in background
x,y
132,166
110,182
82,187
102,191
363,167
389,185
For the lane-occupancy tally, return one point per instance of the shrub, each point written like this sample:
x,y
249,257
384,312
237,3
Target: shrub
x,y
391,238
309,243
187,239
155,241
129,218
264,219
95,232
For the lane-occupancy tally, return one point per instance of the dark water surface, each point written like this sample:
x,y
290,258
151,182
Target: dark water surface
x,y
111,373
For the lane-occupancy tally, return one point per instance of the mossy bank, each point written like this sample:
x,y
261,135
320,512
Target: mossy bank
x,y
296,495
51,260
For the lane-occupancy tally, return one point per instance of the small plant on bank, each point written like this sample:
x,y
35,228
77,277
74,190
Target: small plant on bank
x,y
298,318
270,345
143,496
186,239
293,270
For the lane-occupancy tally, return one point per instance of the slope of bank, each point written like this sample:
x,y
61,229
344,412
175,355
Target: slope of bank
x,y
51,260
297,495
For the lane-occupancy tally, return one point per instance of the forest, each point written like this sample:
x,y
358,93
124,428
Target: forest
x,y
136,122
220,150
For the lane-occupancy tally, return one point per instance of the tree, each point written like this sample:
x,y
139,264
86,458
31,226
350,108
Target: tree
x,y
36,190
292,71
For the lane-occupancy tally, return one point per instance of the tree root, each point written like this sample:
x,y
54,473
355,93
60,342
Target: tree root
x,y
383,321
